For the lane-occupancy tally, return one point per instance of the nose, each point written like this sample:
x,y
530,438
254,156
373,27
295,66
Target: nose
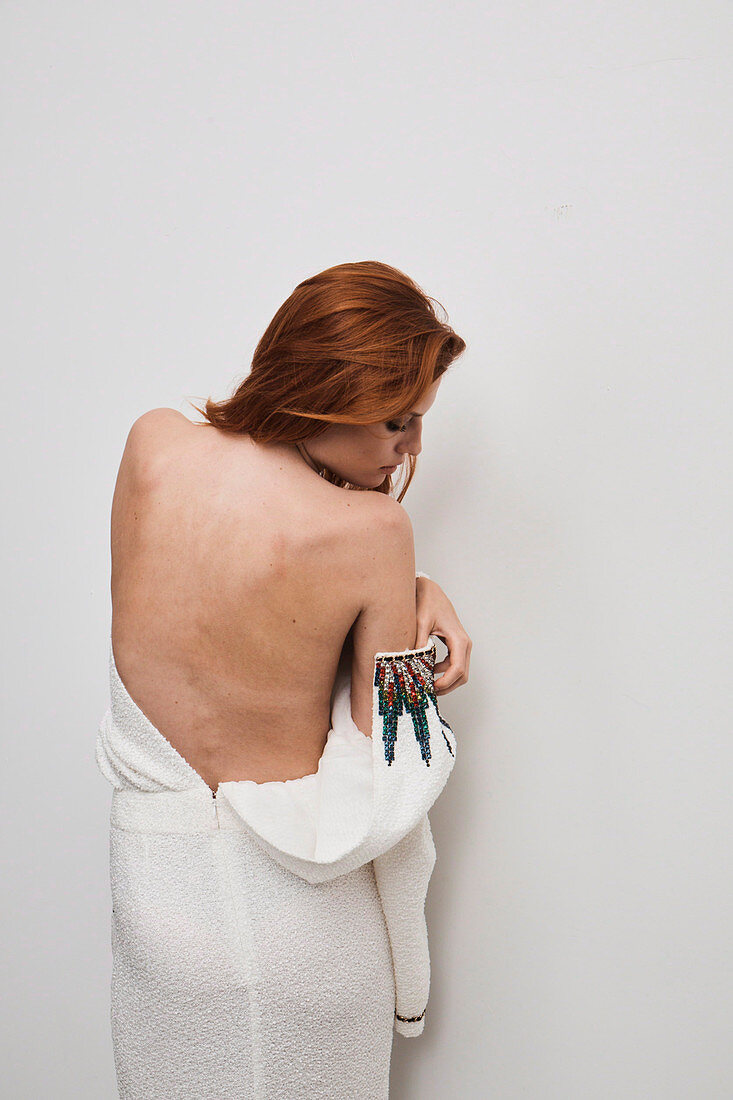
x,y
412,440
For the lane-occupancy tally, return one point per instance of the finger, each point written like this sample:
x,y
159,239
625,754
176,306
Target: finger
x,y
451,679
457,645
452,671
455,665
424,630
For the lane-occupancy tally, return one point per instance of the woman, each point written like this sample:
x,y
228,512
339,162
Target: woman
x,y
274,738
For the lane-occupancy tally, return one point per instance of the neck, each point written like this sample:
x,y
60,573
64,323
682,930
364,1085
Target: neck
x,y
307,458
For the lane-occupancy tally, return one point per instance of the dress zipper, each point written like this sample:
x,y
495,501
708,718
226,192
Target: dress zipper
x,y
216,808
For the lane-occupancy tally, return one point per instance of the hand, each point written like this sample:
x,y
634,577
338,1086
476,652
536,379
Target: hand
x,y
437,615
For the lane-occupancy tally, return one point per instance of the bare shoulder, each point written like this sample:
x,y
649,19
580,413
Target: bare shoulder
x,y
380,514
382,540
380,520
151,436
150,425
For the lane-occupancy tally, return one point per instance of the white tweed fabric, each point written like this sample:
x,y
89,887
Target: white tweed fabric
x,y
267,939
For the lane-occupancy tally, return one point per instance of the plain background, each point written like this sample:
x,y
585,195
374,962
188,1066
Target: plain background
x,y
559,178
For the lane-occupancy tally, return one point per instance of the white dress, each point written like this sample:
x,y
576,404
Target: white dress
x,y
267,940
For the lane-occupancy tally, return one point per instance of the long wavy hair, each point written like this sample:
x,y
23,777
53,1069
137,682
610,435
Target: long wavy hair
x,y
359,343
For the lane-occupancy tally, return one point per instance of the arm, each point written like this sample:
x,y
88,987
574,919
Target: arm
x,y
387,620
402,873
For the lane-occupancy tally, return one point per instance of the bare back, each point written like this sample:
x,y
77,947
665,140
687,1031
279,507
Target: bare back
x,y
238,578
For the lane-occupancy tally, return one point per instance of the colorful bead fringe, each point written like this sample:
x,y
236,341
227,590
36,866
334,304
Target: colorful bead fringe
x,y
406,684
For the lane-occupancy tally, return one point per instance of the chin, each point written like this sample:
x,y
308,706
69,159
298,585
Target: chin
x,y
373,484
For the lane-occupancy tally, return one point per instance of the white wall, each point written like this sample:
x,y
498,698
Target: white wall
x,y
559,177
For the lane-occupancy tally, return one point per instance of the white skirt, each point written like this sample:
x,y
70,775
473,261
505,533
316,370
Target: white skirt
x,y
234,978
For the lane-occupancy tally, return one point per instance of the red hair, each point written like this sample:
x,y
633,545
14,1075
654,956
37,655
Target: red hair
x,y
359,343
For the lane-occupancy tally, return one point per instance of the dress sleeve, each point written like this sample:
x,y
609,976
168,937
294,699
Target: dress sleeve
x,y
403,875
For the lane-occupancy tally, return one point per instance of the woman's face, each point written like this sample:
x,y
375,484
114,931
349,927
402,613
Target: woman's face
x,y
360,453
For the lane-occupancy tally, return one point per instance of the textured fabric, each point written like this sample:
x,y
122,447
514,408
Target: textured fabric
x,y
268,939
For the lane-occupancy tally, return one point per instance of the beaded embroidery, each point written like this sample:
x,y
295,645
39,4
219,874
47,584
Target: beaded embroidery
x,y
411,1019
406,684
